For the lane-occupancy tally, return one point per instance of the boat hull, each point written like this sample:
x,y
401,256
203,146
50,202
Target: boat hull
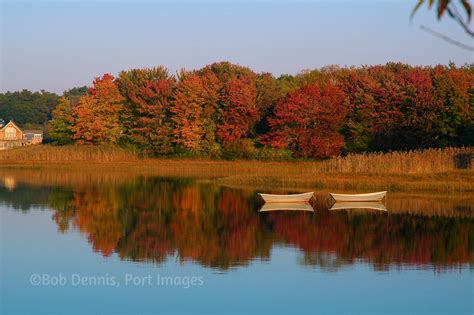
x,y
376,196
358,205
268,198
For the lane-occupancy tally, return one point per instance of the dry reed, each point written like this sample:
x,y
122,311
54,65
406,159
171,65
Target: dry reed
x,y
47,153
421,161
428,170
413,162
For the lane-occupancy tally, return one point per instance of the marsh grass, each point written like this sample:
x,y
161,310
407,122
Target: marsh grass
x,y
58,154
415,162
427,170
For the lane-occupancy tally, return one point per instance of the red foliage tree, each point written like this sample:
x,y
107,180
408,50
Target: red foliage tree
x,y
419,108
240,111
147,114
307,121
388,96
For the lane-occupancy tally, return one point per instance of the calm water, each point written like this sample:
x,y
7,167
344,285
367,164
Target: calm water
x,y
144,245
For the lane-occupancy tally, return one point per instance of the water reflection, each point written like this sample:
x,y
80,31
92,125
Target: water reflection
x,y
153,219
9,182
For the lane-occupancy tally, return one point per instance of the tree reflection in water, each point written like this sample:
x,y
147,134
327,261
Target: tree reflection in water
x,y
153,219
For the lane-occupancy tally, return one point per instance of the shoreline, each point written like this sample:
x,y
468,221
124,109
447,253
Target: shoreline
x,y
278,175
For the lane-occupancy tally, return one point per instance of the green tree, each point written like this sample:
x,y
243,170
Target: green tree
x,y
75,93
26,107
60,127
452,88
268,93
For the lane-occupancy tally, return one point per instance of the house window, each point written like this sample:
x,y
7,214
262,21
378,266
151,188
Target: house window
x,y
10,133
37,136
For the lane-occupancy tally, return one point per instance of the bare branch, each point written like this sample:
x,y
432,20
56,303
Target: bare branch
x,y
446,38
453,11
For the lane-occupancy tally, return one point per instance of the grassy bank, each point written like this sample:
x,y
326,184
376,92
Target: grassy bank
x,y
429,170
69,153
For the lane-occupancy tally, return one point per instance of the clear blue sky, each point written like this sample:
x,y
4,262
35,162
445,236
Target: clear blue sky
x,y
55,45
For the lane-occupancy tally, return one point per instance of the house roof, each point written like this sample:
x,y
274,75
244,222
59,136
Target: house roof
x,y
11,122
33,131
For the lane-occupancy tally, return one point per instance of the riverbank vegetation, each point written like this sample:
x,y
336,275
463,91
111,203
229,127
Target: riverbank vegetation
x,y
398,162
446,169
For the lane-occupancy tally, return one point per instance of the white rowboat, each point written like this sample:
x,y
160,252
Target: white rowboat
x,y
376,196
287,198
358,205
286,206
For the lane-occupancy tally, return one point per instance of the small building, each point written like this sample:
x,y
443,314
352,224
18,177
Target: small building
x,y
34,136
11,136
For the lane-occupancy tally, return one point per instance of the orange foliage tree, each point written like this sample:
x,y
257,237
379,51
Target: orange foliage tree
x,y
97,113
194,109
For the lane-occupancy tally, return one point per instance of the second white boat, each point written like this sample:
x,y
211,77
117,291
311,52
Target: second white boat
x,y
376,196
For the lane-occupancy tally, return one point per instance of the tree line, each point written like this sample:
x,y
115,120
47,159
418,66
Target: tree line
x,y
33,109
27,108
229,111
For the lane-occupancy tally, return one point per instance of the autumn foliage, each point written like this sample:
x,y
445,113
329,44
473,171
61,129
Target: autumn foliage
x,y
307,121
194,109
240,111
97,113
226,110
146,117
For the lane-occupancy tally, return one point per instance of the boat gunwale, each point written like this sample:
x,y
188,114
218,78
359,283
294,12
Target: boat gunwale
x,y
358,197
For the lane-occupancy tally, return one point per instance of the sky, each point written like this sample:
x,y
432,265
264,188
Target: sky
x,y
56,45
